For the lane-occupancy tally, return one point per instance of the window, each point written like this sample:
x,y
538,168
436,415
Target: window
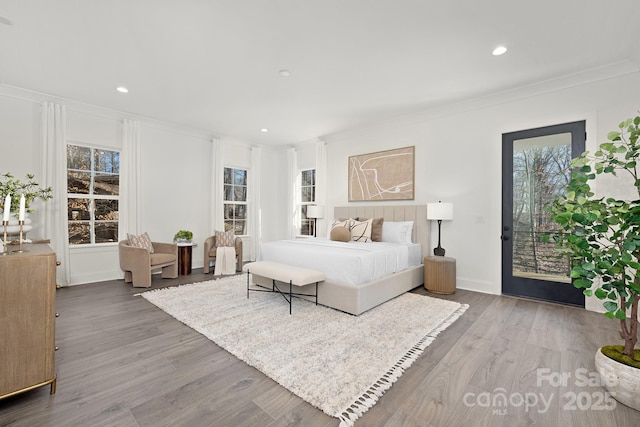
x,y
307,197
93,181
235,200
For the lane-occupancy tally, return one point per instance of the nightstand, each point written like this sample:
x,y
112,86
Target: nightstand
x,y
440,274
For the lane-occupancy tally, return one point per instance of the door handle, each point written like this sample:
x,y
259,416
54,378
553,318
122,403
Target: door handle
x,y
504,238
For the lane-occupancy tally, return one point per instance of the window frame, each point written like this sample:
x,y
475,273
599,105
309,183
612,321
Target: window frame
x,y
244,202
302,205
92,197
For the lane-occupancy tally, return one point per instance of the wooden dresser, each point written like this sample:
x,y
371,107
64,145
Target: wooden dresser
x,y
27,319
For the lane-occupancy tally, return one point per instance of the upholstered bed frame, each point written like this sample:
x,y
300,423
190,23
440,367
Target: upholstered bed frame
x,y
357,299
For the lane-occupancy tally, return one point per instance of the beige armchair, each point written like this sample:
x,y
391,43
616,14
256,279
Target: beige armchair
x,y
138,263
210,253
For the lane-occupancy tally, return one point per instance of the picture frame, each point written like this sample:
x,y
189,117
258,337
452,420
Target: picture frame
x,y
382,175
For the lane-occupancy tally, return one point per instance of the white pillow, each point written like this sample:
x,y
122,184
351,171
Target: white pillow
x,y
408,236
397,231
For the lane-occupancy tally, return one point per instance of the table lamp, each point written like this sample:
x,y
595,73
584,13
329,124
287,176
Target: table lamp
x,y
439,212
316,212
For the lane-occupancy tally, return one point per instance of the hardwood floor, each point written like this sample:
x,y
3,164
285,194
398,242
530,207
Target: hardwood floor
x,y
124,362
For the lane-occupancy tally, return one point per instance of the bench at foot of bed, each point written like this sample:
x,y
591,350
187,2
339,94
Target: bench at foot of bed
x,y
277,272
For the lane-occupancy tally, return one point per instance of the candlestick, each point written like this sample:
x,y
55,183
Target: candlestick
x,y
20,250
22,203
7,208
5,250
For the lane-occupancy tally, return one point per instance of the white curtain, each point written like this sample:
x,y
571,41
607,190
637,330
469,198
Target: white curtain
x,y
53,141
321,185
255,228
217,187
292,193
129,179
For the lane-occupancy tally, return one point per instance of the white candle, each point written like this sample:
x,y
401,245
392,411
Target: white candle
x,y
21,217
7,208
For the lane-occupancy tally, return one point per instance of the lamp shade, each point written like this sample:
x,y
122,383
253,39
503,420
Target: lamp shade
x,y
314,211
442,211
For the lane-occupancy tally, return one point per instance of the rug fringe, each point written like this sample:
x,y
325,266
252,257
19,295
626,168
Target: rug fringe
x,y
369,398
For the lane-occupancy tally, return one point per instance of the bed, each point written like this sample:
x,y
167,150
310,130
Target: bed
x,y
359,276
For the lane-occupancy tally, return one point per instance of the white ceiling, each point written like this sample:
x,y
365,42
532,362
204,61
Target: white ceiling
x,y
213,65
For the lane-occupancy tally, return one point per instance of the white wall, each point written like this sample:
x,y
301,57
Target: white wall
x,y
175,171
458,158
175,185
273,211
19,145
98,262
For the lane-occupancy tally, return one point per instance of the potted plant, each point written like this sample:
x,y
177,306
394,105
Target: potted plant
x,y
30,188
601,236
183,236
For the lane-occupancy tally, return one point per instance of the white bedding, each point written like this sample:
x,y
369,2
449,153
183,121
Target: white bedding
x,y
344,262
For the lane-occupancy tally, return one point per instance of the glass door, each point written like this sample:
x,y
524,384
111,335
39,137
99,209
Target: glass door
x,y
536,169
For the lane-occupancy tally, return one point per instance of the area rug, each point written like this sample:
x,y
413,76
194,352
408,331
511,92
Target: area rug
x,y
337,362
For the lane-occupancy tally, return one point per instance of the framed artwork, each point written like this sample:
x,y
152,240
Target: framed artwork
x,y
383,175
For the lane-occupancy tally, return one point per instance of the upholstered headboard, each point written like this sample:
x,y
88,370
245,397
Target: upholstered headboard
x,y
415,213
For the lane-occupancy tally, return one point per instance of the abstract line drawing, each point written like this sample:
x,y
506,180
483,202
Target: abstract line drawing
x,y
383,175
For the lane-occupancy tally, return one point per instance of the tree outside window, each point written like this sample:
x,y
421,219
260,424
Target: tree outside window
x,y
307,197
235,200
93,182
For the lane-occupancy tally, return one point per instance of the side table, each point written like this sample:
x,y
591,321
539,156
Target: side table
x,y
440,274
184,257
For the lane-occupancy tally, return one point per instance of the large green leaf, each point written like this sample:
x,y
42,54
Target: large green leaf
x,y
620,315
601,293
610,306
609,146
582,283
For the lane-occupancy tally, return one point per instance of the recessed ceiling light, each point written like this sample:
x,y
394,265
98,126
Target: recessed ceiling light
x,y
122,89
265,130
284,73
499,50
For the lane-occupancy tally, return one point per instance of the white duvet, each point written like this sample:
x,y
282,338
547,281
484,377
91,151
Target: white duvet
x,y
343,262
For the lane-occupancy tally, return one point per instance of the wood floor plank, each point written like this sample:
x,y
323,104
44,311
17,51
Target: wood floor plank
x,y
305,415
443,388
124,362
278,403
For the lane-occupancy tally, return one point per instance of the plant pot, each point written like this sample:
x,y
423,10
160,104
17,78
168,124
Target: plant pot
x,y
622,381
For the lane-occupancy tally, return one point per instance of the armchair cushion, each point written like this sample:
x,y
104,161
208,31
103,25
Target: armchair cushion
x,y
157,259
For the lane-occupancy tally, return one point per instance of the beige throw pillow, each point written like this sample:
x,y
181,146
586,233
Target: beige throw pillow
x,y
141,241
376,228
361,230
225,238
340,234
341,223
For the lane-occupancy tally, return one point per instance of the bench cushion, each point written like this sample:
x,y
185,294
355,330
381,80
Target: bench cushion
x,y
284,273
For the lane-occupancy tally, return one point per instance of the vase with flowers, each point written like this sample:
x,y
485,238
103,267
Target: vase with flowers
x,y
16,197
